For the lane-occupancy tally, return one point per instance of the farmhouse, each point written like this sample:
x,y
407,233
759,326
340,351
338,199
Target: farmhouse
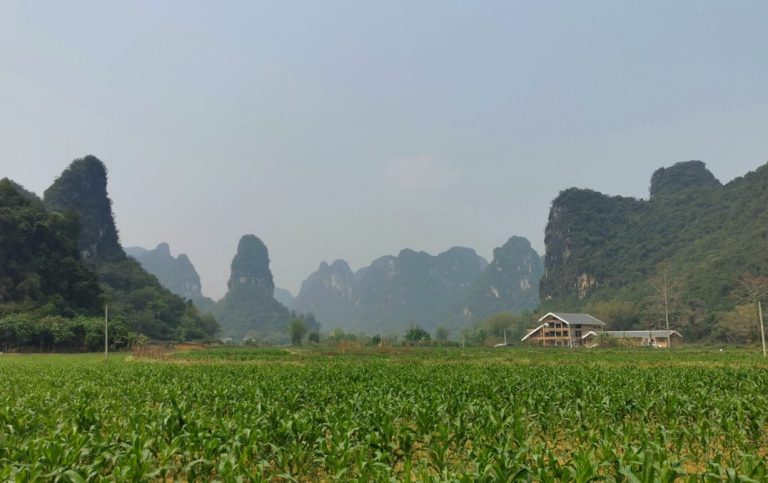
x,y
561,329
642,338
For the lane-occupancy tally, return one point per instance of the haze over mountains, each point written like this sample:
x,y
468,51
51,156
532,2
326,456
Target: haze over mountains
x,y
62,257
450,289
599,248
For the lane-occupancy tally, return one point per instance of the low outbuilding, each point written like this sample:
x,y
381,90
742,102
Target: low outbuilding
x,y
640,338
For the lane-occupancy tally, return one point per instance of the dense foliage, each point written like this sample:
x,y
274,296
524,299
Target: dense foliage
x,y
682,176
148,307
610,249
40,269
426,415
62,258
61,334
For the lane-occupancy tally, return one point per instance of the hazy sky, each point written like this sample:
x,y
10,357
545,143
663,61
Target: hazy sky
x,y
355,129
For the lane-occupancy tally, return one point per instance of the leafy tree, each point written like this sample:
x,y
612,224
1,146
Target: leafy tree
x,y
417,335
442,334
738,325
314,337
298,330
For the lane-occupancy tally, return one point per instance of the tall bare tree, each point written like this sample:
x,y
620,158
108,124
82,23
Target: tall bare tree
x,y
667,293
753,289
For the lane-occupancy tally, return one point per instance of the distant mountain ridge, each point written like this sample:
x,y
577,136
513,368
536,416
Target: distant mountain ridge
x,y
394,292
177,274
285,297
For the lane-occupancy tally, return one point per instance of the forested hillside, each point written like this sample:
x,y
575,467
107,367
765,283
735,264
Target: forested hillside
x,y
606,253
62,261
40,269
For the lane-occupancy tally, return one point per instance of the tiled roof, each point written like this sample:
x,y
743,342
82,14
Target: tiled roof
x,y
575,319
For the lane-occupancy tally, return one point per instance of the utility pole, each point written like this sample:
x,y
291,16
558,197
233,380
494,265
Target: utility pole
x,y
505,337
106,332
762,329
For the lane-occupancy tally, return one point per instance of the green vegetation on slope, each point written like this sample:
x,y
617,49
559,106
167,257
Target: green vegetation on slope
x,y
62,259
40,269
602,249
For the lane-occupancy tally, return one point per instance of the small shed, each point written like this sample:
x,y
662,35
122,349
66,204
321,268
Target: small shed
x,y
640,338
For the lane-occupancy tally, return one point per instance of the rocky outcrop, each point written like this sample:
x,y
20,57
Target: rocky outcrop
x,y
510,283
249,309
582,224
681,177
250,268
82,188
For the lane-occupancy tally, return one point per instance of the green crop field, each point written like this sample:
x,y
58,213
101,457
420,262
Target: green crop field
x,y
431,414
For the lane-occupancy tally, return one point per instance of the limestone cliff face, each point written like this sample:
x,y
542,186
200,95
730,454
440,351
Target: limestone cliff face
x,y
510,283
82,188
250,269
582,224
177,274
249,309
608,247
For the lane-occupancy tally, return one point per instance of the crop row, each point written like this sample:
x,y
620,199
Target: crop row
x,y
75,419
